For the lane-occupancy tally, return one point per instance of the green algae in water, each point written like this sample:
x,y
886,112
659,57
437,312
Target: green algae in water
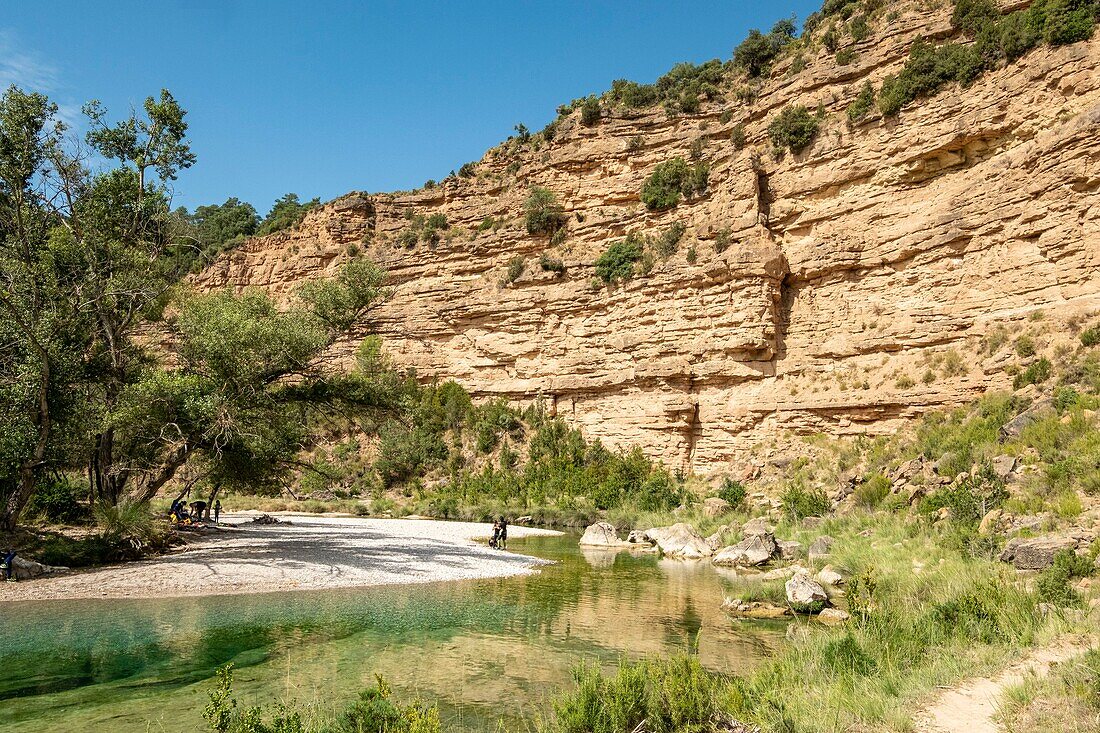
x,y
483,650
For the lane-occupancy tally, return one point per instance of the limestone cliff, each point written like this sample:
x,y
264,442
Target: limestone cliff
x,y
853,269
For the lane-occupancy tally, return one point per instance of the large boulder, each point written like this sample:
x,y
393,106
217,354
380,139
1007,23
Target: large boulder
x,y
820,548
1016,425
715,507
805,594
754,550
639,537
23,569
601,534
680,540
1036,553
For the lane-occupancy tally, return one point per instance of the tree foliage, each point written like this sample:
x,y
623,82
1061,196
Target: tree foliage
x,y
672,180
286,212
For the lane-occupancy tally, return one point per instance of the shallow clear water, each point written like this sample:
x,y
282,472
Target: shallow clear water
x,y
482,650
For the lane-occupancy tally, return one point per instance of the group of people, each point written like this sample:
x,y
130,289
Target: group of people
x,y
188,514
499,540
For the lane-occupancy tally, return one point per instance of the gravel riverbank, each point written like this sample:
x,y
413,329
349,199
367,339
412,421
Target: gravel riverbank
x,y
311,552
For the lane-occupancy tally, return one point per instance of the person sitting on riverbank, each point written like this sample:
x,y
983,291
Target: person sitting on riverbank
x,y
8,565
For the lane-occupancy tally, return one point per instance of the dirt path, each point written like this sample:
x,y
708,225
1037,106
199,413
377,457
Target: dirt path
x,y
970,707
309,553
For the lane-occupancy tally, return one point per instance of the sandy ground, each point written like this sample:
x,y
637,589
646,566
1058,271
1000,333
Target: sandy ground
x,y
971,707
312,552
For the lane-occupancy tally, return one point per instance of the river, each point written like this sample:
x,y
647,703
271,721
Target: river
x,y
484,650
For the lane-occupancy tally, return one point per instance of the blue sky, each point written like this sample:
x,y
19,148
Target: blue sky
x,y
322,98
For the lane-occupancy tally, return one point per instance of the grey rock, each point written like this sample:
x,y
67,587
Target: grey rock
x,y
754,550
638,537
715,507
805,594
23,569
601,534
833,616
790,549
1003,466
1016,425
820,547
1036,553
756,526
829,576
680,540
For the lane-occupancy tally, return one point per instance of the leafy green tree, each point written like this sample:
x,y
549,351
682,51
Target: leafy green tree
x,y
286,212
42,334
219,226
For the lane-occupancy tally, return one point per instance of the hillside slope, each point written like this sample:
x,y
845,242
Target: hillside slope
x,y
859,279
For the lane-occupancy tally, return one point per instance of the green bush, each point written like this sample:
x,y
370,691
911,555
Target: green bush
x,y
793,128
59,500
516,266
970,499
658,493
738,136
1036,373
800,502
671,180
590,111
926,71
666,244
872,491
859,28
1090,336
551,264
616,264
846,56
733,492
285,213
1025,346
1053,584
863,103
971,16
542,211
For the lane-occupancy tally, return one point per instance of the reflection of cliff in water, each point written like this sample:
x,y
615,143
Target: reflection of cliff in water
x,y
480,648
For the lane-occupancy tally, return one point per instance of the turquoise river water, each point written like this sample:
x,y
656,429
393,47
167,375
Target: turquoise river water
x,y
484,651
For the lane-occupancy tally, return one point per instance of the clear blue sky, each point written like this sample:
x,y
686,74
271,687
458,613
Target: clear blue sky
x,y
326,97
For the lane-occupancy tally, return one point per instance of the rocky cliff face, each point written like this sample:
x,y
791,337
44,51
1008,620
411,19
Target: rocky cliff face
x,y
860,278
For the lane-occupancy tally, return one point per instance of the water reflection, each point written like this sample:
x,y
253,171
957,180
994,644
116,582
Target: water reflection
x,y
484,650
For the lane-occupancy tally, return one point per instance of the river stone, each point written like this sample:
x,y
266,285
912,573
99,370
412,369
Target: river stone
x,y
601,534
755,549
1036,553
680,540
638,537
820,547
790,549
715,507
833,616
829,576
805,595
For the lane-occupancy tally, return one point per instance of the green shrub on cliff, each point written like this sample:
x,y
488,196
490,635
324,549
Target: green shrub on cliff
x,y
617,262
794,128
542,212
672,180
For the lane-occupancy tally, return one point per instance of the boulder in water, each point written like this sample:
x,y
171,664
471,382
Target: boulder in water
x,y
680,540
601,534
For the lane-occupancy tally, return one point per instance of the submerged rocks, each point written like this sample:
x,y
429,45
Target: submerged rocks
x,y
601,534
1036,553
680,540
754,550
754,609
805,594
